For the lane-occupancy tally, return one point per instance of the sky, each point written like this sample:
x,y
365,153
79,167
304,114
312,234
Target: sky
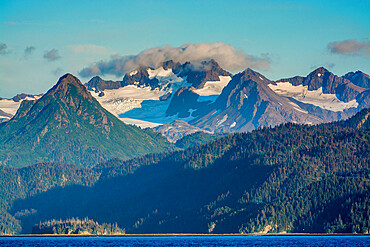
x,y
42,40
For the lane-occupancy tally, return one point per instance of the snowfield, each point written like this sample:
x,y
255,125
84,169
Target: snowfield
x,y
212,88
315,97
11,107
139,105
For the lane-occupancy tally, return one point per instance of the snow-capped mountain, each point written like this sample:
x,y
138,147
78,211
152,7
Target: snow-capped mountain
x,y
9,107
150,97
246,103
209,98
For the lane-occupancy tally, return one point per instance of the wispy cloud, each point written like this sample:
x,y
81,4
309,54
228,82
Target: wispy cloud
x,y
225,54
89,48
52,55
28,51
57,71
3,49
350,47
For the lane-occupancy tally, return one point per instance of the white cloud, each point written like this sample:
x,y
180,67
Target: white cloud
x,y
225,54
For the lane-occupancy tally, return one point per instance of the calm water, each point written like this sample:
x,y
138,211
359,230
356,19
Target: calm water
x,y
352,241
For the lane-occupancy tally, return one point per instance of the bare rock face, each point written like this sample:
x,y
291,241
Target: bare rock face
x,y
199,73
177,130
140,77
358,78
97,84
330,84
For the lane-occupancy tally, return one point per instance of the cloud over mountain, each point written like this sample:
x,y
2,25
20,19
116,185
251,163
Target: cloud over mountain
x,y
52,55
350,47
225,54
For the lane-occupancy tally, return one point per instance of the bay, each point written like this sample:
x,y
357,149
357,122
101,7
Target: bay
x,y
206,241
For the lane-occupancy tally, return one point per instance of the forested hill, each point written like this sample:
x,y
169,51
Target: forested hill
x,y
68,125
291,178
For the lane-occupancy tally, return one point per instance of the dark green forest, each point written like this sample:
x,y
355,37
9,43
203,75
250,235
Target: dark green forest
x,y
76,226
290,178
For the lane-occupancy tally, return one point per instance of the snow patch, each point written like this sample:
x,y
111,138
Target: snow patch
x,y
260,78
133,72
297,107
160,72
141,123
222,120
11,107
213,87
318,74
315,97
233,125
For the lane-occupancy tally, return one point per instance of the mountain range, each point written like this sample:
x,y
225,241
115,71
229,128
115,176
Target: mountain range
x,y
213,100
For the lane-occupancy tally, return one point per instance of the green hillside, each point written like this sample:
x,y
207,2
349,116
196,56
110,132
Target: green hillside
x,y
67,125
291,178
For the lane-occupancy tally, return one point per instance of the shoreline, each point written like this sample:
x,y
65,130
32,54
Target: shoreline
x,y
193,235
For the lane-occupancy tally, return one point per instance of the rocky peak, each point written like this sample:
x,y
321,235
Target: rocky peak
x,y
98,84
170,64
22,96
250,74
199,73
140,77
69,86
358,78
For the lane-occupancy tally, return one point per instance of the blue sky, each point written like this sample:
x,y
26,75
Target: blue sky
x,y
67,36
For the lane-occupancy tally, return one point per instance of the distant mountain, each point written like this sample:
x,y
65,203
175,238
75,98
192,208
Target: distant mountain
x,y
210,98
328,83
8,107
291,178
98,84
177,130
246,103
358,78
199,93
68,125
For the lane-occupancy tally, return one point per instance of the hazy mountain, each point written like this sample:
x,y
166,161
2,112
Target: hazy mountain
x,y
68,125
358,78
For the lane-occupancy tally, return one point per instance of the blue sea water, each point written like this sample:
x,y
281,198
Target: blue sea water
x,y
208,241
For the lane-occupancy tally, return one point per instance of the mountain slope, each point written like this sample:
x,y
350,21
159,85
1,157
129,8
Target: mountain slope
x,y
358,78
247,103
291,178
68,125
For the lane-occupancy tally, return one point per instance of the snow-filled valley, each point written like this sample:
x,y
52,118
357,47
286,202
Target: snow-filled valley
x,y
315,97
142,105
